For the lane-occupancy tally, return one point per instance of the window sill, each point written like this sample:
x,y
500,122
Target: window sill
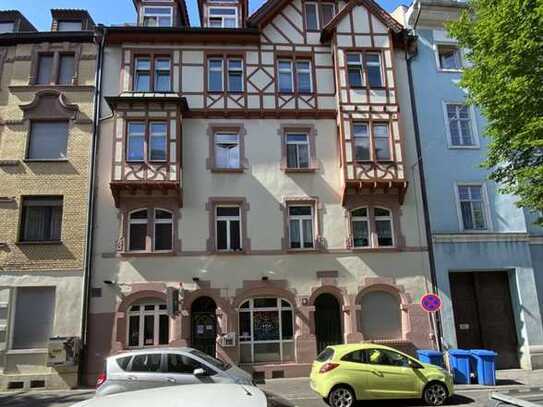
x,y
228,170
147,254
30,86
449,70
474,147
27,351
300,170
38,160
229,252
375,249
40,242
301,251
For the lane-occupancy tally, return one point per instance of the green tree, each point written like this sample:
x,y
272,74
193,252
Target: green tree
x,y
504,39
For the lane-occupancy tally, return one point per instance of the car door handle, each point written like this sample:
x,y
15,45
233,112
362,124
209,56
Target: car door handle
x,y
170,379
132,378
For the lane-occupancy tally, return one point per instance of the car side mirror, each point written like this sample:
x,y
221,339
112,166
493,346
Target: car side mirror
x,y
199,372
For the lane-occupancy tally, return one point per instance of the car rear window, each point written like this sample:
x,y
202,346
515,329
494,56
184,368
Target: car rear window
x,y
146,363
325,355
123,362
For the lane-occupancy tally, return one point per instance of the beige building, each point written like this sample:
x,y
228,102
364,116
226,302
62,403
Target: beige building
x,y
257,194
46,130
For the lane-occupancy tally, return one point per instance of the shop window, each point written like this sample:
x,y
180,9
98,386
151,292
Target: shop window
x,y
266,330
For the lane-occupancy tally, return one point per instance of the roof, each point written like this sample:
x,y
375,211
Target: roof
x,y
49,36
182,34
72,14
182,7
13,15
373,7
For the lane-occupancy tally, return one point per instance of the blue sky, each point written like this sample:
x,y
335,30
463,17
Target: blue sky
x,y
111,11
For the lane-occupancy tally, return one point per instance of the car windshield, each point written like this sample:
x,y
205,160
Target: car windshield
x,y
325,355
219,364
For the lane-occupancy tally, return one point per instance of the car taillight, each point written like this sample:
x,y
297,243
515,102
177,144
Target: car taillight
x,y
327,367
101,379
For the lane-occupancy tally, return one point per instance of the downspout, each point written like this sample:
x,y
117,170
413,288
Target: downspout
x,y
424,193
100,38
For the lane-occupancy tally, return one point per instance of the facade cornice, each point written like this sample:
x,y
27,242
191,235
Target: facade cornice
x,y
49,36
480,237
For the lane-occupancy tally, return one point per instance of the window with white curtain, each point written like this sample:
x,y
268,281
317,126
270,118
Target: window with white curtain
x,y
300,224
227,150
48,140
266,330
383,227
34,317
148,324
360,227
41,219
297,150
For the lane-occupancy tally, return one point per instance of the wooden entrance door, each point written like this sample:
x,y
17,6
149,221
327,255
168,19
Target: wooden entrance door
x,y
204,325
327,321
483,314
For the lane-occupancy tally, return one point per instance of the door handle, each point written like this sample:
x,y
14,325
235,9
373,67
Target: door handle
x,y
132,378
170,379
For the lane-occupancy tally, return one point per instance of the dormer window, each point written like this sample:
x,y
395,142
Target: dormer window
x,y
223,17
158,16
6,27
69,25
318,14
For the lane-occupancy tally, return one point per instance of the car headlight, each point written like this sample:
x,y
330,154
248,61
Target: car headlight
x,y
273,400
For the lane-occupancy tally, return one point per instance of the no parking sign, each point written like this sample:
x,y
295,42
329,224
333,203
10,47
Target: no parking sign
x,y
430,302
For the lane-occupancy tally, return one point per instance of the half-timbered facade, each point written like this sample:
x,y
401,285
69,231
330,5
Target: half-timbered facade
x,y
255,193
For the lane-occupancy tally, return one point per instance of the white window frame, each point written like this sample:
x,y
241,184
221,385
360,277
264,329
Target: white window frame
x,y
210,69
156,312
473,123
486,207
390,218
162,222
436,46
304,70
157,70
389,141
361,219
279,308
358,65
378,64
317,14
237,70
300,219
160,135
298,143
228,219
145,14
131,222
283,70
222,16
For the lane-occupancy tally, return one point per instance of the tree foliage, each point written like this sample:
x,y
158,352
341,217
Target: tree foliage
x,y
504,39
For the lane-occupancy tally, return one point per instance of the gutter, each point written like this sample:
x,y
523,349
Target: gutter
x,y
424,192
92,188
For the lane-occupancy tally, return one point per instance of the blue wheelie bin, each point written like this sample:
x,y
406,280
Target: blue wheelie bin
x,y
430,356
485,366
459,360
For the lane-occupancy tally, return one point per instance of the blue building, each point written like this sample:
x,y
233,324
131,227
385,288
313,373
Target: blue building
x,y
488,253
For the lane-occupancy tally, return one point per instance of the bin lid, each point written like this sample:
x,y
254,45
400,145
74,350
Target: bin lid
x,y
459,352
483,352
429,352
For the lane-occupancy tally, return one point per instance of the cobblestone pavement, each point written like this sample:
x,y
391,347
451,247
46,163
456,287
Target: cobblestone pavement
x,y
298,391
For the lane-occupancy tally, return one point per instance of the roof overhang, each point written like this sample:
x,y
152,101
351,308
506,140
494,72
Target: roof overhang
x,y
49,36
116,102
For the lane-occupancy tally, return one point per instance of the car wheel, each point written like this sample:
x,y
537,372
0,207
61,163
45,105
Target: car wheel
x,y
341,396
435,394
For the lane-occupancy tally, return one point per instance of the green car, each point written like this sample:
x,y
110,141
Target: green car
x,y
343,374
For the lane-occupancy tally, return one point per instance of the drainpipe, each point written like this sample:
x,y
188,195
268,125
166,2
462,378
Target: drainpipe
x,y
100,38
427,225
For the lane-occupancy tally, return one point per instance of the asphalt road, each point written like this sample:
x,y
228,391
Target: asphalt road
x,y
296,390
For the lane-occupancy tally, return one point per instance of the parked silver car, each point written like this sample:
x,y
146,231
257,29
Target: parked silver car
x,y
147,368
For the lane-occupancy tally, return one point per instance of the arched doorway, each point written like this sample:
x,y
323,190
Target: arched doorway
x,y
327,321
204,325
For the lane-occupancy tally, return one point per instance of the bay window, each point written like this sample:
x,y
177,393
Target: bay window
x,y
266,330
147,136
371,146
365,67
